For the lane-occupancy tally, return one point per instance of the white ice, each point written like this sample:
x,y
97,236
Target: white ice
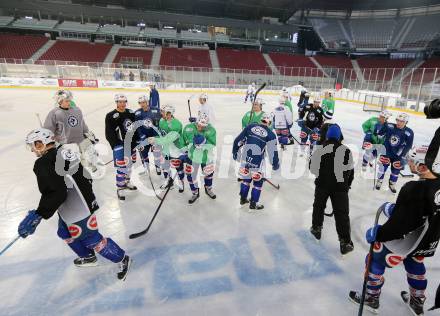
x,y
212,258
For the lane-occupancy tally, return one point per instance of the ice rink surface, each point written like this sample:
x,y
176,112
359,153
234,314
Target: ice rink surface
x,y
212,258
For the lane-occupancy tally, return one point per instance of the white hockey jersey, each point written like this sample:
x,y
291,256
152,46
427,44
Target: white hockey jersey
x,y
282,117
251,89
209,111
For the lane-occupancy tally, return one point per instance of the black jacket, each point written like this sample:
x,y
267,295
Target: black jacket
x,y
417,202
50,170
336,177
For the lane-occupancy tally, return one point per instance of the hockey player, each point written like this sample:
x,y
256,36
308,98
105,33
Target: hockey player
x,y
328,103
332,163
65,189
410,234
200,139
371,127
118,126
154,97
255,117
68,125
303,99
253,141
310,121
149,117
282,122
285,93
284,100
398,140
170,143
250,93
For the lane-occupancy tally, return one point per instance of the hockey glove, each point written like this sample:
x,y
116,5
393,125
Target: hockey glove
x,y
199,141
371,234
29,224
192,119
91,136
387,208
151,140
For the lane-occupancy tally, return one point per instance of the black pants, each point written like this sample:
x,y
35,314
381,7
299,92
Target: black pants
x,y
340,209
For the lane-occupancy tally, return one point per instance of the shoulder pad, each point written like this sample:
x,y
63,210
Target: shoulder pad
x,y
390,125
115,115
138,112
130,111
408,133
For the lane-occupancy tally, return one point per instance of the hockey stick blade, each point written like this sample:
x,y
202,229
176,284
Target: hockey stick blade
x,y
141,233
276,186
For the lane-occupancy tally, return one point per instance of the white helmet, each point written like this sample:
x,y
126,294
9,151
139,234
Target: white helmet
x,y
284,89
253,84
260,101
169,109
61,95
385,114
41,134
203,119
144,98
266,118
402,117
417,154
120,97
203,95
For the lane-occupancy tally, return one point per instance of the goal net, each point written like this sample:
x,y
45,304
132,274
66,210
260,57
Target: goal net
x,y
374,103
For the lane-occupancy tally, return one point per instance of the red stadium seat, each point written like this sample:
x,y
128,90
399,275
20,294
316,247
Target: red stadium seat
x,y
185,57
251,60
140,53
295,65
20,46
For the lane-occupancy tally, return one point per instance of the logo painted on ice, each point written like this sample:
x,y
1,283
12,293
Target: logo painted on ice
x,y
258,130
72,121
394,140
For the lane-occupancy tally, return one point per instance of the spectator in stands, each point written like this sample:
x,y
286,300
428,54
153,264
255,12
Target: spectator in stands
x,y
121,76
131,76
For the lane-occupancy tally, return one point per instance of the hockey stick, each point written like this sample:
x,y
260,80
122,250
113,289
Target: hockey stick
x,y
255,97
141,233
152,185
189,105
276,186
9,245
367,267
375,174
39,119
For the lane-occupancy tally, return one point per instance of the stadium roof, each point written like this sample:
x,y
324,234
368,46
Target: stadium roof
x,y
255,9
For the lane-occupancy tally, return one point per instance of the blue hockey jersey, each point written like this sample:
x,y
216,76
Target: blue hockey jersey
x,y
254,140
152,115
397,141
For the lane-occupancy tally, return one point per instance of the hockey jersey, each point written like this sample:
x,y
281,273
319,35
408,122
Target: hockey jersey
x,y
204,154
282,118
373,126
62,180
313,117
118,125
152,116
67,124
254,140
413,228
397,141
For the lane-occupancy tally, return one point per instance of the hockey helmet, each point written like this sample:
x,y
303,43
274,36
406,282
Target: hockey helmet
x,y
385,114
417,154
42,135
169,109
203,95
266,118
61,95
402,117
144,98
120,97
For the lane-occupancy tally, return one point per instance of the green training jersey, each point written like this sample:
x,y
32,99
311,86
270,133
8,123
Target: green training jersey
x,y
328,105
205,153
171,138
369,127
256,118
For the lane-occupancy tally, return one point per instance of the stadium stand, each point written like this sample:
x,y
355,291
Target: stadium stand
x,y
185,57
388,68
330,32
5,20
20,46
424,30
77,51
69,26
294,65
251,60
427,75
374,34
143,54
340,62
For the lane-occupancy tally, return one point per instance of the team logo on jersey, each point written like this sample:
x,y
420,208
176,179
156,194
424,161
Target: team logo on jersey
x,y
394,140
69,155
258,130
75,231
128,125
116,115
72,121
92,224
148,123
311,116
437,198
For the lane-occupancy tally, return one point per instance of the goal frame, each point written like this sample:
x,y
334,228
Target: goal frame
x,y
373,103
